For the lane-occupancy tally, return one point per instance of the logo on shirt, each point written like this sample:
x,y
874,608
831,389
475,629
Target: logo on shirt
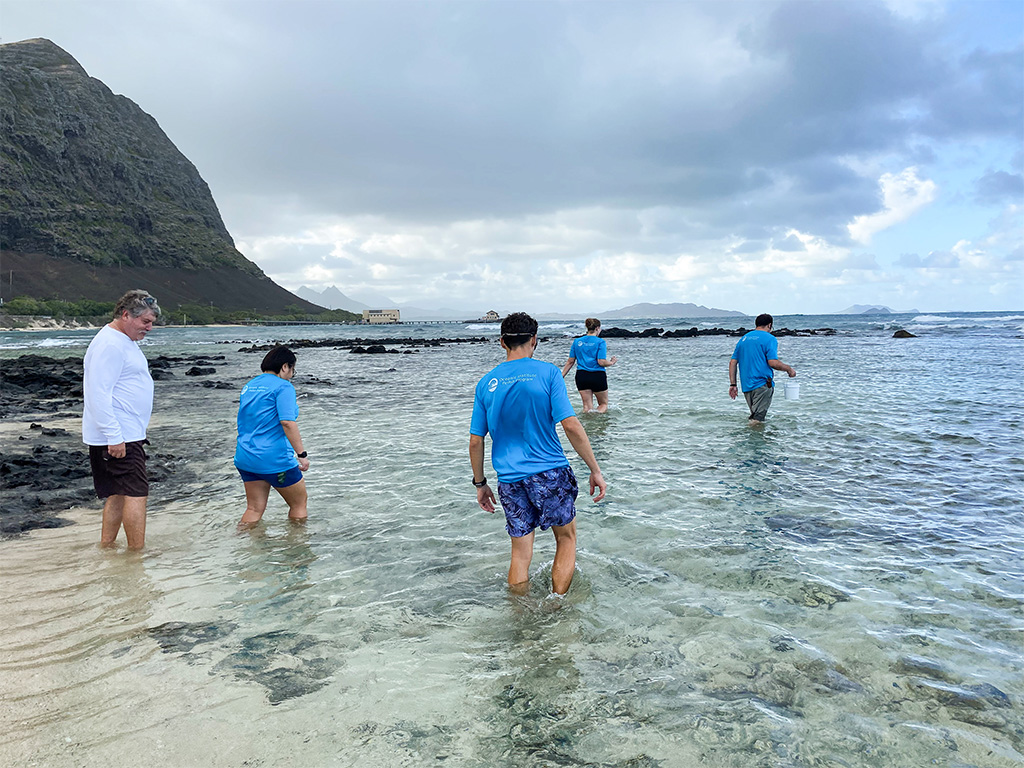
x,y
492,385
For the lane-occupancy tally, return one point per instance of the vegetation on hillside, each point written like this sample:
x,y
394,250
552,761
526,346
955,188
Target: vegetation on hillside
x,y
184,314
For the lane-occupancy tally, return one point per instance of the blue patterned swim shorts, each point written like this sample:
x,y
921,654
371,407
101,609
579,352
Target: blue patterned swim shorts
x,y
545,499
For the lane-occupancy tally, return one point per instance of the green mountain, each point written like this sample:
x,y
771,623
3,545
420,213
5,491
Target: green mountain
x,y
95,199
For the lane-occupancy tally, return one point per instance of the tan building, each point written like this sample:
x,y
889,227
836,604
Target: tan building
x,y
376,316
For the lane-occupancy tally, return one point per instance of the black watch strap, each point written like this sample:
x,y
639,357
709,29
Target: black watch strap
x,y
302,455
481,484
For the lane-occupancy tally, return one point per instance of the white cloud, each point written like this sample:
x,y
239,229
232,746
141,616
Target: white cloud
x,y
903,195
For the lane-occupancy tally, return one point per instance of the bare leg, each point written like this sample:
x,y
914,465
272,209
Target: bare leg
x,y
519,570
113,511
602,401
295,496
256,494
587,396
134,521
565,557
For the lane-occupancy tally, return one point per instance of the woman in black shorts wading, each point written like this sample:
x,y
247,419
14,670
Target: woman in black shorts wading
x,y
591,352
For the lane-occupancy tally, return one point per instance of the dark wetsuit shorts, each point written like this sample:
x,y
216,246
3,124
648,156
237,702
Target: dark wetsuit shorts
x,y
595,381
119,477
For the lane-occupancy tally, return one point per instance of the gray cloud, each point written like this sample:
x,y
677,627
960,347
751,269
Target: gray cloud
x,y
998,187
414,140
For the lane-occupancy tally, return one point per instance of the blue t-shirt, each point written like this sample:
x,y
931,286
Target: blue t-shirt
x,y
588,350
753,352
518,403
262,447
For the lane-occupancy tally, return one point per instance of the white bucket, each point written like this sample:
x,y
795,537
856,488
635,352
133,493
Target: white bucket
x,y
792,390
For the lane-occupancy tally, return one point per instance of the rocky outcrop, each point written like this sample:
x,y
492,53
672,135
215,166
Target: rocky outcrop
x,y
95,198
689,333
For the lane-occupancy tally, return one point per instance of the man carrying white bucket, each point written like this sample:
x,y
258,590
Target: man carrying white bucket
x,y
756,354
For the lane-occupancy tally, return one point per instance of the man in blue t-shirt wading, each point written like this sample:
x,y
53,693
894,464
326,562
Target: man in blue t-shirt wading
x,y
518,403
755,356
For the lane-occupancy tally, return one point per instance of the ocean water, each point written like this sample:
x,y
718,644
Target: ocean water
x,y
843,587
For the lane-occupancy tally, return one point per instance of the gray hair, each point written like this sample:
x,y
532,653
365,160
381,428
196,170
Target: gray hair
x,y
136,303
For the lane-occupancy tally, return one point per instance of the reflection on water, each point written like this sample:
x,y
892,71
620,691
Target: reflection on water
x,y
841,587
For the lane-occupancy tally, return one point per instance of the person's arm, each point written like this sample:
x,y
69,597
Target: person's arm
x,y
291,431
733,370
581,443
607,363
778,365
568,366
484,494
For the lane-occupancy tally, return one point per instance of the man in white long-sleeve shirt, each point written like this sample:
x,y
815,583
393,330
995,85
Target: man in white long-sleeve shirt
x,y
118,403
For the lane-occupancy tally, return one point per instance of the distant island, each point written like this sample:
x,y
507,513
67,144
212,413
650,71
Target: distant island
x,y
874,309
646,310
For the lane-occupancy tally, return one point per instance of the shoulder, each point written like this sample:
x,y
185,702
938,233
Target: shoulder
x,y
281,384
547,369
107,341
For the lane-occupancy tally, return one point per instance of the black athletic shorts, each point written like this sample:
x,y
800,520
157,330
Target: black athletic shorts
x,y
119,477
595,381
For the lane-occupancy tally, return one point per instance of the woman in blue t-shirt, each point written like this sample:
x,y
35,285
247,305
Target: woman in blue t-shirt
x,y
269,452
591,352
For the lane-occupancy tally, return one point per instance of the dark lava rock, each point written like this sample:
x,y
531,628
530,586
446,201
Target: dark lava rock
x,y
373,349
38,384
195,370
902,334
182,637
45,468
352,344
307,665
216,385
160,374
36,486
689,333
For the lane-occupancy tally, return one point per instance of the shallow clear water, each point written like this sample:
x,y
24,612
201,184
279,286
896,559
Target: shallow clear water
x,y
840,588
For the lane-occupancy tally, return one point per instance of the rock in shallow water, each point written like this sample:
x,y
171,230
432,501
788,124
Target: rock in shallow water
x,y
182,636
287,664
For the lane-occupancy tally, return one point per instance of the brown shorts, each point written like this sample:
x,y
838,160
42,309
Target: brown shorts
x,y
758,401
119,477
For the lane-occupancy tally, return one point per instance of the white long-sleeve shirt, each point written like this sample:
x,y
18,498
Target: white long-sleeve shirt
x,y
118,390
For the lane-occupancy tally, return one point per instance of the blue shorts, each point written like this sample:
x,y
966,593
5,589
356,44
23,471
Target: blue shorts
x,y
276,479
545,499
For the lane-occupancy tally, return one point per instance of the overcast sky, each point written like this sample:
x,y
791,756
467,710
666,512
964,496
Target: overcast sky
x,y
790,157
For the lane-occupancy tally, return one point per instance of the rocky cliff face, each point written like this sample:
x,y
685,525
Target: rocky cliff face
x,y
92,188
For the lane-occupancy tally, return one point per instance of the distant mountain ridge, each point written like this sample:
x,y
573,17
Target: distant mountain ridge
x,y
332,298
96,199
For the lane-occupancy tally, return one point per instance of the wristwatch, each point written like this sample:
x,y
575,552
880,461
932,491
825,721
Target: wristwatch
x,y
302,455
481,484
